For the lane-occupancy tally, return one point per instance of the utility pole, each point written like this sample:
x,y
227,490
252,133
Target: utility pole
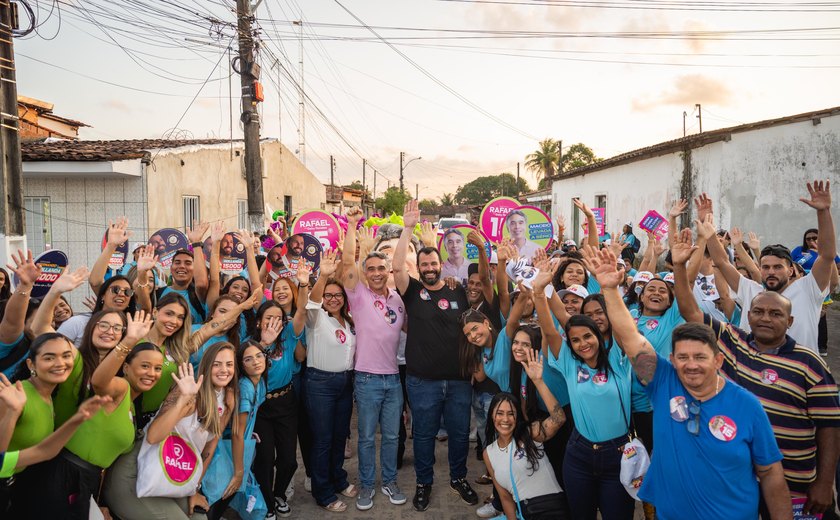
x,y
685,114
374,190
279,103
517,180
11,183
417,192
699,116
249,73
301,107
332,170
402,166
364,185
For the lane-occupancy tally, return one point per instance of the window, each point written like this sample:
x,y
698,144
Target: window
x,y
192,210
575,234
242,214
38,224
287,205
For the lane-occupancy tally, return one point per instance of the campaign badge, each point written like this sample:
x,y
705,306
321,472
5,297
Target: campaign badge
x,y
391,316
600,378
582,375
340,336
769,376
723,428
443,304
424,295
679,408
651,324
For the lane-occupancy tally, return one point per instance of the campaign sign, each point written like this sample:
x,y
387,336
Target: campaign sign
x,y
492,218
284,267
312,250
599,219
799,510
655,223
232,254
529,228
117,260
457,254
320,225
166,242
52,264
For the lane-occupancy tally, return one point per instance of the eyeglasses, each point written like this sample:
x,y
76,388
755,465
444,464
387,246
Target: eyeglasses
x,y
117,290
811,238
693,423
103,326
333,296
259,356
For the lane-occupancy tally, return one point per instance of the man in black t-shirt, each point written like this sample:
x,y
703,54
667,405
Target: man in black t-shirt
x,y
436,387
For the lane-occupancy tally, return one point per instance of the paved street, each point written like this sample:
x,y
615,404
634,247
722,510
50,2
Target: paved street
x,y
444,504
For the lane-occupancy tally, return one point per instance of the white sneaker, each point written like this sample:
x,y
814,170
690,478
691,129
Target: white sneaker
x,y
473,435
307,484
487,511
290,491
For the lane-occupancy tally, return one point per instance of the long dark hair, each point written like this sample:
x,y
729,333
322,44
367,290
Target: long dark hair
x,y
240,355
256,331
580,320
232,333
521,431
103,289
805,246
469,355
89,353
22,372
345,308
530,410
599,299
6,288
249,314
667,286
558,276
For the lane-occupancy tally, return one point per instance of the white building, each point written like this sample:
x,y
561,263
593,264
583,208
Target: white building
x,y
755,173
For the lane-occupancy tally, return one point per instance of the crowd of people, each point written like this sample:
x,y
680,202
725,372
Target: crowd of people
x,y
186,393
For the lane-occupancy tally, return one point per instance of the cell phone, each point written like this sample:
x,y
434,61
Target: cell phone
x,y
200,510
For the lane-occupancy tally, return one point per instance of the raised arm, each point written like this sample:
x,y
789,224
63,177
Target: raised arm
x,y
637,348
214,286
12,402
42,321
248,240
328,268
475,238
548,427
693,267
14,319
178,404
104,379
303,274
504,253
350,272
411,214
196,236
223,321
118,234
143,288
737,237
681,251
706,230
677,209
820,200
428,234
591,224
648,262
550,333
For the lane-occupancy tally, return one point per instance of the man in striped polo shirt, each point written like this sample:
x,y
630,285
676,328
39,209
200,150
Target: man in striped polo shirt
x,y
793,384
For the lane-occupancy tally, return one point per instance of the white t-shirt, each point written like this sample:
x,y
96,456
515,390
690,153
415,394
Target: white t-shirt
x,y
329,346
74,328
806,300
529,483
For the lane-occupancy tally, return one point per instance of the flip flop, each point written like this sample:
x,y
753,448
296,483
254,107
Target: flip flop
x,y
350,491
336,507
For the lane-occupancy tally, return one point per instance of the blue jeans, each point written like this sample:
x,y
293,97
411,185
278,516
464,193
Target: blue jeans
x,y
329,401
591,474
430,400
481,407
379,401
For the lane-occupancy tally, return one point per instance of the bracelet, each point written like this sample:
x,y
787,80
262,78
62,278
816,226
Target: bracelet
x,y
303,285
197,244
123,348
23,293
143,285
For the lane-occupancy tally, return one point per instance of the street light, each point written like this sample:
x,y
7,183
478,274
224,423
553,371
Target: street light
x,y
403,164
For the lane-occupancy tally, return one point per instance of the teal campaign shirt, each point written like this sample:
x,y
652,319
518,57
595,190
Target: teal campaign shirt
x,y
658,329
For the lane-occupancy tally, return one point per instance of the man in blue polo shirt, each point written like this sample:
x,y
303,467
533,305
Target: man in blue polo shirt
x,y
714,443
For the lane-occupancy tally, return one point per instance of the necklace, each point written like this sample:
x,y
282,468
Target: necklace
x,y
717,384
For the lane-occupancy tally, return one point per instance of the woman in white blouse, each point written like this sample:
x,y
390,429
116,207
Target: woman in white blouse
x,y
328,381
515,458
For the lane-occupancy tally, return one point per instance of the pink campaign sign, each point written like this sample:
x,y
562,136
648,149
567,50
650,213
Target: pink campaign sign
x,y
178,459
655,223
319,224
492,219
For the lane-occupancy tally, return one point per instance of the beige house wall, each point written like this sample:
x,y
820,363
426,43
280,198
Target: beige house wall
x,y
216,176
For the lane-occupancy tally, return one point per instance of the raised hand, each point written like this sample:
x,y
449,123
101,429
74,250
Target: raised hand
x,y
24,267
197,231
753,241
270,332
617,245
704,206
428,234
604,266
539,256
118,232
185,379
90,406
304,271
12,395
138,326
69,281
706,227
354,215
217,231
737,236
561,225
678,208
146,259
254,300
366,238
533,365
579,204
411,214
503,251
820,195
246,237
546,274
329,263
682,248
658,247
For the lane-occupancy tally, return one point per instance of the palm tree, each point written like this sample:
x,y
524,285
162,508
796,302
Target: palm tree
x,y
543,162
447,199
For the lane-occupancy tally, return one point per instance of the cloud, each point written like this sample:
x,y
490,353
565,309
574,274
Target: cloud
x,y
505,17
207,103
694,45
116,104
688,90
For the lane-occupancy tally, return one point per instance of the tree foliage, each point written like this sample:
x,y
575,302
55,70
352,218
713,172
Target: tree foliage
x,y
576,156
428,205
547,160
392,201
489,187
447,199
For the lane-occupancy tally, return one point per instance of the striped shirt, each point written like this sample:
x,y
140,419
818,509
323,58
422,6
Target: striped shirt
x,y
796,390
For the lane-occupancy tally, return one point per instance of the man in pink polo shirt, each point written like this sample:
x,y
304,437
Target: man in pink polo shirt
x,y
379,314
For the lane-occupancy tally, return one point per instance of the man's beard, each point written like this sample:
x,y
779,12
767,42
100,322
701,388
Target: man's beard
x,y
425,277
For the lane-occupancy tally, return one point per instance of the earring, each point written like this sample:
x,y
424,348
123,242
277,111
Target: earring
x,y
33,373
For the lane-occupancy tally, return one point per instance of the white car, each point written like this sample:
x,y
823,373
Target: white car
x,y
446,223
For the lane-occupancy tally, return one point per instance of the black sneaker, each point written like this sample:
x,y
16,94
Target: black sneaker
x,y
462,487
421,497
281,508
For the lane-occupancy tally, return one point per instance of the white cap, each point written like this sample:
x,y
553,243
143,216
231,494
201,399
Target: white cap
x,y
669,278
577,290
643,276
135,246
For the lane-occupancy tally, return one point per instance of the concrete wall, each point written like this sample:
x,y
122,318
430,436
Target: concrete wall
x,y
209,173
755,180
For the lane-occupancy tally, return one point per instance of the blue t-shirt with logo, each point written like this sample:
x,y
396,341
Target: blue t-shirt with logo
x,y
195,357
708,475
8,349
282,356
639,401
658,329
498,369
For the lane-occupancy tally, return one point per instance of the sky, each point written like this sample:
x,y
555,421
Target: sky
x,y
469,86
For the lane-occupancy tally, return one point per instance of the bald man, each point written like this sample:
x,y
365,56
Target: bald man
x,y
792,382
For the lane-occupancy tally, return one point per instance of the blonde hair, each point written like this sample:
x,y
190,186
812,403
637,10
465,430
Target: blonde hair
x,y
205,405
178,344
